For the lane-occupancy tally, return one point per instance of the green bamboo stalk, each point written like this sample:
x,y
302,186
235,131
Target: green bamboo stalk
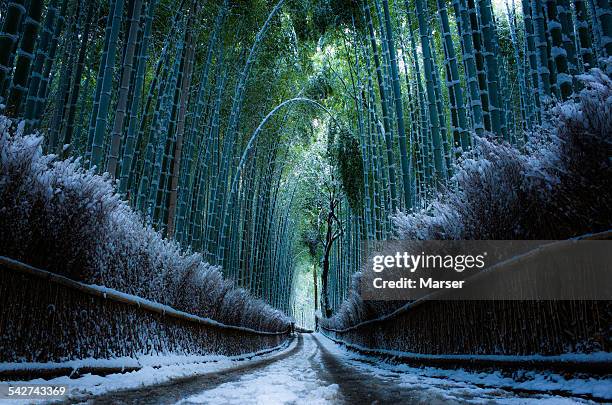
x,y
542,51
461,133
130,139
564,11
399,110
76,87
526,113
25,56
384,106
469,61
490,43
603,11
124,89
42,54
530,40
63,91
107,66
425,34
235,112
584,34
9,37
558,53
477,44
186,83
425,131
99,79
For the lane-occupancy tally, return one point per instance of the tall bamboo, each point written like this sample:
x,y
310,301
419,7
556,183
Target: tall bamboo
x,y
8,41
25,56
107,67
399,110
425,34
122,103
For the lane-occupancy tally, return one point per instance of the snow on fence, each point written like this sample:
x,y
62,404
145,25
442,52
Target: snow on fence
x,y
45,318
566,335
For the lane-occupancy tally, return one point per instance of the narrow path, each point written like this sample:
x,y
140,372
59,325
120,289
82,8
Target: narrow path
x,y
358,387
316,371
292,380
176,390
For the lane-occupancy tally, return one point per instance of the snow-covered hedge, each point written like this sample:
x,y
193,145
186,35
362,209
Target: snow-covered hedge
x,y
558,186
60,217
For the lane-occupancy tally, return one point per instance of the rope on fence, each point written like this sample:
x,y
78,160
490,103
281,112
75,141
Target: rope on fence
x,y
546,249
9,264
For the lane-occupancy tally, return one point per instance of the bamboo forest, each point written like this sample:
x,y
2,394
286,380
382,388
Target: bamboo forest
x,y
191,192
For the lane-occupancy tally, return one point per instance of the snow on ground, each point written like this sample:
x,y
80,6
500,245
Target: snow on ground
x,y
318,371
291,380
175,367
478,386
304,378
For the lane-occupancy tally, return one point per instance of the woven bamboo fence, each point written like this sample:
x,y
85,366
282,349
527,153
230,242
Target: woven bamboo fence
x,y
435,330
47,318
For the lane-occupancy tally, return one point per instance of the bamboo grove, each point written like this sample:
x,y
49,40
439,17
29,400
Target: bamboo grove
x,y
265,133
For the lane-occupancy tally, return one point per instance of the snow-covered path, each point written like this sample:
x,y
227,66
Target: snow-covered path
x,y
316,371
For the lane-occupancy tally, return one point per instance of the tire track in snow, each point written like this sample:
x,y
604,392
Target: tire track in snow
x,y
361,388
292,380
